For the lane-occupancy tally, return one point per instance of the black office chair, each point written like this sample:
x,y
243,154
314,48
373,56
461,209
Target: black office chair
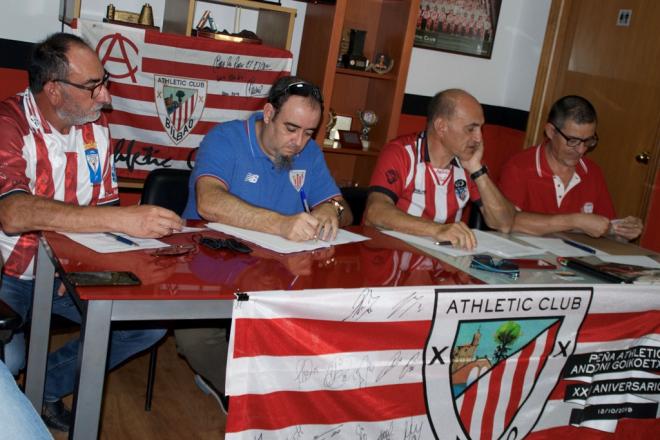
x,y
10,321
476,219
356,197
168,188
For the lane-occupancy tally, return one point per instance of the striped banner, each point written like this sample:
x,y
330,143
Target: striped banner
x,y
459,363
169,90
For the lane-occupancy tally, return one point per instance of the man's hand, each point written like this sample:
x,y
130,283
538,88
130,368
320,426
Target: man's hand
x,y
629,228
591,224
299,227
148,221
459,234
474,163
326,214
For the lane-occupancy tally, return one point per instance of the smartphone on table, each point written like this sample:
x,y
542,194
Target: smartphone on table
x,y
103,278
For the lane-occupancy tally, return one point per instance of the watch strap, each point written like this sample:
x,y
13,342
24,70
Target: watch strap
x,y
480,172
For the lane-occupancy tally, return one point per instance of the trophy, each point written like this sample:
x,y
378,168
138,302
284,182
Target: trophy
x,y
368,119
330,130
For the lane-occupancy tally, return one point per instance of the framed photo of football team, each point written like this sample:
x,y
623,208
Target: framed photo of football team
x,y
465,27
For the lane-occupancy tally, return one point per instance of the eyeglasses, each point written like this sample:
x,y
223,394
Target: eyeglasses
x,y
486,262
218,243
574,142
300,88
94,89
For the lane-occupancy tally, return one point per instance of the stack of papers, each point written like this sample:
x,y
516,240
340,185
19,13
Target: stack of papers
x,y
282,245
105,244
487,243
558,247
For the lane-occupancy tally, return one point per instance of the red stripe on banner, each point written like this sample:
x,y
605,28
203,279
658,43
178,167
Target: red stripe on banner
x,y
518,382
167,67
307,337
146,93
599,327
467,408
216,46
494,386
152,123
288,408
549,345
559,392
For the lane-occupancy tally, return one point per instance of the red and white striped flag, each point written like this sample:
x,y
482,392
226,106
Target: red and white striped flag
x,y
466,363
169,90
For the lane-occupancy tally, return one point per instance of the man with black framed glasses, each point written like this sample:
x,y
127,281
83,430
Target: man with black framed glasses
x,y
57,174
556,187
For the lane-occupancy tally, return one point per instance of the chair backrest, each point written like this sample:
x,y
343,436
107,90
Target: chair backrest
x,y
166,187
356,197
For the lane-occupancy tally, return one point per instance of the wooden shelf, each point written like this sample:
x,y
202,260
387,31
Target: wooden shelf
x,y
390,29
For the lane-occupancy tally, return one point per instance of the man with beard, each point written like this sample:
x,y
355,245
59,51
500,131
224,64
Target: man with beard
x,y
422,182
556,186
253,173
57,174
259,174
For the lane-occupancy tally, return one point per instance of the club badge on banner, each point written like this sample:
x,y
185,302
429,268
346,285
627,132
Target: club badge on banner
x,y
169,90
462,363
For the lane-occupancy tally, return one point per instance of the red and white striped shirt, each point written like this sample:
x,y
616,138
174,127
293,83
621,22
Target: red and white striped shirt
x,y
405,174
75,168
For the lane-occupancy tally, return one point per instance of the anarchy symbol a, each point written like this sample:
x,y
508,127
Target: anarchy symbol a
x,y
121,42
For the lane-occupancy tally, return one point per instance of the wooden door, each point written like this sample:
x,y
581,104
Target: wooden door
x,y
618,69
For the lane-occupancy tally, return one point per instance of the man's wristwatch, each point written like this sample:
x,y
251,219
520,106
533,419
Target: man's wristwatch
x,y
338,207
480,172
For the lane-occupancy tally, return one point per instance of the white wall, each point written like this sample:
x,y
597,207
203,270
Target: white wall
x,y
507,79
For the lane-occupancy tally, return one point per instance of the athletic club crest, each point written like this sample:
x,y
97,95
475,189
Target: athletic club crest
x,y
497,354
297,178
180,104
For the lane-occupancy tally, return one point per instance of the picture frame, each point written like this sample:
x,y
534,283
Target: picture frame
x,y
461,27
350,139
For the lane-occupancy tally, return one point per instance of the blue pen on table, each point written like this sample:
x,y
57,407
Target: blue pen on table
x,y
303,199
580,246
122,239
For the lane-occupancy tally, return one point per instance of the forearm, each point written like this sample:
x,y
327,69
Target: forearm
x,y
541,224
498,212
24,212
387,216
220,206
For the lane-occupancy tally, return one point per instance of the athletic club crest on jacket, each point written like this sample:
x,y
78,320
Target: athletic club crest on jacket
x,y
180,104
297,178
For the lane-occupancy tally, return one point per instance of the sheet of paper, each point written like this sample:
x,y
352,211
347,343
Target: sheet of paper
x,y
282,245
486,243
635,260
105,244
557,247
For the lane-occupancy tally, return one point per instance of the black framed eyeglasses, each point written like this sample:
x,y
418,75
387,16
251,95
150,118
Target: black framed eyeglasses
x,y
574,142
299,88
487,263
94,89
219,243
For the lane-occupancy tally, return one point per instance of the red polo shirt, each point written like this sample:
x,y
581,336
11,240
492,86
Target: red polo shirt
x,y
528,182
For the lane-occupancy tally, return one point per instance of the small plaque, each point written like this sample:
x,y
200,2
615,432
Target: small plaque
x,y
350,139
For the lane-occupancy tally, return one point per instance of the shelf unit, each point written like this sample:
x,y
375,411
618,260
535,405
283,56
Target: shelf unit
x,y
274,23
390,27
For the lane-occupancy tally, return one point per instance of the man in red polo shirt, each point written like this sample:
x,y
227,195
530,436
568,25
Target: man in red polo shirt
x,y
422,181
556,187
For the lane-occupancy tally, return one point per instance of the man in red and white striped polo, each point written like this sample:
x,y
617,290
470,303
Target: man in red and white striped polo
x,y
57,174
422,182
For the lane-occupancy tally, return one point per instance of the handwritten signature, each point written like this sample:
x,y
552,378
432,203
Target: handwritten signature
x,y
411,302
363,305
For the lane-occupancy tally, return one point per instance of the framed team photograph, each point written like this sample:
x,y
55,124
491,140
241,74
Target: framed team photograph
x,y
465,27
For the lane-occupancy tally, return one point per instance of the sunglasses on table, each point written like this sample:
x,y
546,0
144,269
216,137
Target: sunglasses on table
x,y
487,263
222,243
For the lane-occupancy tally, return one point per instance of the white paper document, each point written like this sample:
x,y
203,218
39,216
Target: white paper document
x,y
282,245
558,247
106,243
486,243
635,260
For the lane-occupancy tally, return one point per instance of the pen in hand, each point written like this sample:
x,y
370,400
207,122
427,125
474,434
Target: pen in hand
x,y
122,239
303,199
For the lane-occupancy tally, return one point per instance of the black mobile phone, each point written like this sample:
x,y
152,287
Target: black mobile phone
x,y
108,278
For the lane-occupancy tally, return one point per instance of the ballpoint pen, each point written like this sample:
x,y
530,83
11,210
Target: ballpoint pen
x,y
580,246
122,239
303,199
443,243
